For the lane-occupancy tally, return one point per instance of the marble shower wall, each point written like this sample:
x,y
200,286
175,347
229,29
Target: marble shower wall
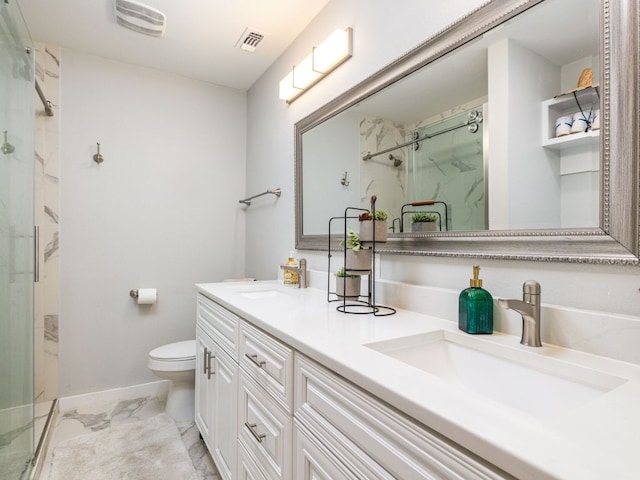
x,y
46,218
379,175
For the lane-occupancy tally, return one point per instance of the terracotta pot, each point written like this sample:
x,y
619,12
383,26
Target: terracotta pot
x,y
358,261
348,286
424,227
366,230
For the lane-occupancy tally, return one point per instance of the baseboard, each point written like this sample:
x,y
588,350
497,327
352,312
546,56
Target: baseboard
x,y
158,389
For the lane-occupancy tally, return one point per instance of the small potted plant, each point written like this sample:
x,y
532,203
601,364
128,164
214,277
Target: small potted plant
x,y
358,259
367,222
424,222
347,284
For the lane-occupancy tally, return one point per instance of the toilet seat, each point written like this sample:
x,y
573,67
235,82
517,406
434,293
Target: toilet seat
x,y
174,357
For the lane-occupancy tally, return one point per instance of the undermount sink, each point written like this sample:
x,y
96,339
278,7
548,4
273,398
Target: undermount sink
x,y
529,381
260,291
264,294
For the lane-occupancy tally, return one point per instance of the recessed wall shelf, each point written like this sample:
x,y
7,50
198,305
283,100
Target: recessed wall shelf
x,y
587,100
574,140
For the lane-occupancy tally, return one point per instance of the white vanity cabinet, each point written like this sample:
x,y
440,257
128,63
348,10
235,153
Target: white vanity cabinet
x,y
364,431
267,412
217,383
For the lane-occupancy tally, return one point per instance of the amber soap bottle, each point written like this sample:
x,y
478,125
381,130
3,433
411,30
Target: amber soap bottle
x,y
475,307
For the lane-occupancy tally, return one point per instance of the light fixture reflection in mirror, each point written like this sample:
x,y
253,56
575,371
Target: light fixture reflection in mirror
x,y
324,58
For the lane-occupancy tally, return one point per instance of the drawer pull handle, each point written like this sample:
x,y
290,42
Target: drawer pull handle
x,y
254,358
209,366
256,435
204,358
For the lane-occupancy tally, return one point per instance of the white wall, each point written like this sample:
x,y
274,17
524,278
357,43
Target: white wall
x,y
161,211
329,162
382,32
519,80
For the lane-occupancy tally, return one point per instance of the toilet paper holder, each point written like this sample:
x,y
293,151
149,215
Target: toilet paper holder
x,y
144,296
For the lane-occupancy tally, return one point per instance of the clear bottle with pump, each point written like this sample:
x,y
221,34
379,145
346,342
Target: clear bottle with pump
x,y
475,307
290,277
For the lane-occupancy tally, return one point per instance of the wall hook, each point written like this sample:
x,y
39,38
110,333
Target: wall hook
x,y
98,158
7,148
343,181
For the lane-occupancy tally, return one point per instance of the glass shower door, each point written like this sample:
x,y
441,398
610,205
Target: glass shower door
x,y
16,244
449,167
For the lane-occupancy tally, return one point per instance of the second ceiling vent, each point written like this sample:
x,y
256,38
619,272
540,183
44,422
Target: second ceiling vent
x,y
140,18
249,40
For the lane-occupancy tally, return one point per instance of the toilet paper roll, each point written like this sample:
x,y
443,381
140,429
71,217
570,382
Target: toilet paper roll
x,y
147,296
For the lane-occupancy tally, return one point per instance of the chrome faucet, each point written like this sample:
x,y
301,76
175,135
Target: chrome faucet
x,y
529,308
301,270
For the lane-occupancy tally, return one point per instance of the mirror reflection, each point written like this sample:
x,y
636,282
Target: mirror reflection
x,y
501,133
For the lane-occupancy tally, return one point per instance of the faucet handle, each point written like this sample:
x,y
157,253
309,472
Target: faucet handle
x,y
531,287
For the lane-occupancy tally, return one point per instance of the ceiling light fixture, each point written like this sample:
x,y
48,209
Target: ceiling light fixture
x,y
323,59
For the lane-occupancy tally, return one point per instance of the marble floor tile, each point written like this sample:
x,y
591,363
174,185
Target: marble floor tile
x,y
102,415
136,409
198,452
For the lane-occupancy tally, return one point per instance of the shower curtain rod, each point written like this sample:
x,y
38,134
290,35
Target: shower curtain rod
x,y
47,104
369,156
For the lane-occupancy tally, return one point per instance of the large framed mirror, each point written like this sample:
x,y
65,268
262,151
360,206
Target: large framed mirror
x,y
520,121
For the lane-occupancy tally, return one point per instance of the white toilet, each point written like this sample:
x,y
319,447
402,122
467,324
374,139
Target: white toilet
x,y
177,362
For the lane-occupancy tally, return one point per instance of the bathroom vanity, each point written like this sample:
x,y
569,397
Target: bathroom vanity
x,y
289,388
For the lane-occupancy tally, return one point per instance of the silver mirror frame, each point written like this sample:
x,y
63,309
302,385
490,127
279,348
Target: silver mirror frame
x,y
617,239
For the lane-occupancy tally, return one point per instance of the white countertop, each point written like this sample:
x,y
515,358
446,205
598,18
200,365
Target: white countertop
x,y
598,440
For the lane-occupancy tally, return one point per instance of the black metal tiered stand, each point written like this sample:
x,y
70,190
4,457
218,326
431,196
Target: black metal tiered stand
x,y
361,304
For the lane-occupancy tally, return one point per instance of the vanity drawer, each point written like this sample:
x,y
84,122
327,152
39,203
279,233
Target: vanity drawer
x,y
318,457
269,362
264,430
221,324
403,447
247,468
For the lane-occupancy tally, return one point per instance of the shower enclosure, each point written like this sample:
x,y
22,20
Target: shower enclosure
x,y
17,267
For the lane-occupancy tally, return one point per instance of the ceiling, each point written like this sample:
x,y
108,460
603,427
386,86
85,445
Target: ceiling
x,y
200,38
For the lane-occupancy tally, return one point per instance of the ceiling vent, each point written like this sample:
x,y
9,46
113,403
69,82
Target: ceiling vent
x,y
140,18
249,40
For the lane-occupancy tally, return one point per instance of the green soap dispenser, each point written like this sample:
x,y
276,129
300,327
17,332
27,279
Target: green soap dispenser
x,y
475,307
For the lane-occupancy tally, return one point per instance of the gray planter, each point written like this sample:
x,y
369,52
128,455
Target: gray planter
x,y
366,230
424,227
348,286
358,261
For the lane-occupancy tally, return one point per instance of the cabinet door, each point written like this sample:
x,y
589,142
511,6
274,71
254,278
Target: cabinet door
x,y
225,411
204,386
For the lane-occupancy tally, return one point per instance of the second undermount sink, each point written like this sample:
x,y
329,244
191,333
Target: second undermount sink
x,y
530,381
261,291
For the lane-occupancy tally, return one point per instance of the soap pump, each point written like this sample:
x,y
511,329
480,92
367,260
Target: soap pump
x,y
475,307
290,277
